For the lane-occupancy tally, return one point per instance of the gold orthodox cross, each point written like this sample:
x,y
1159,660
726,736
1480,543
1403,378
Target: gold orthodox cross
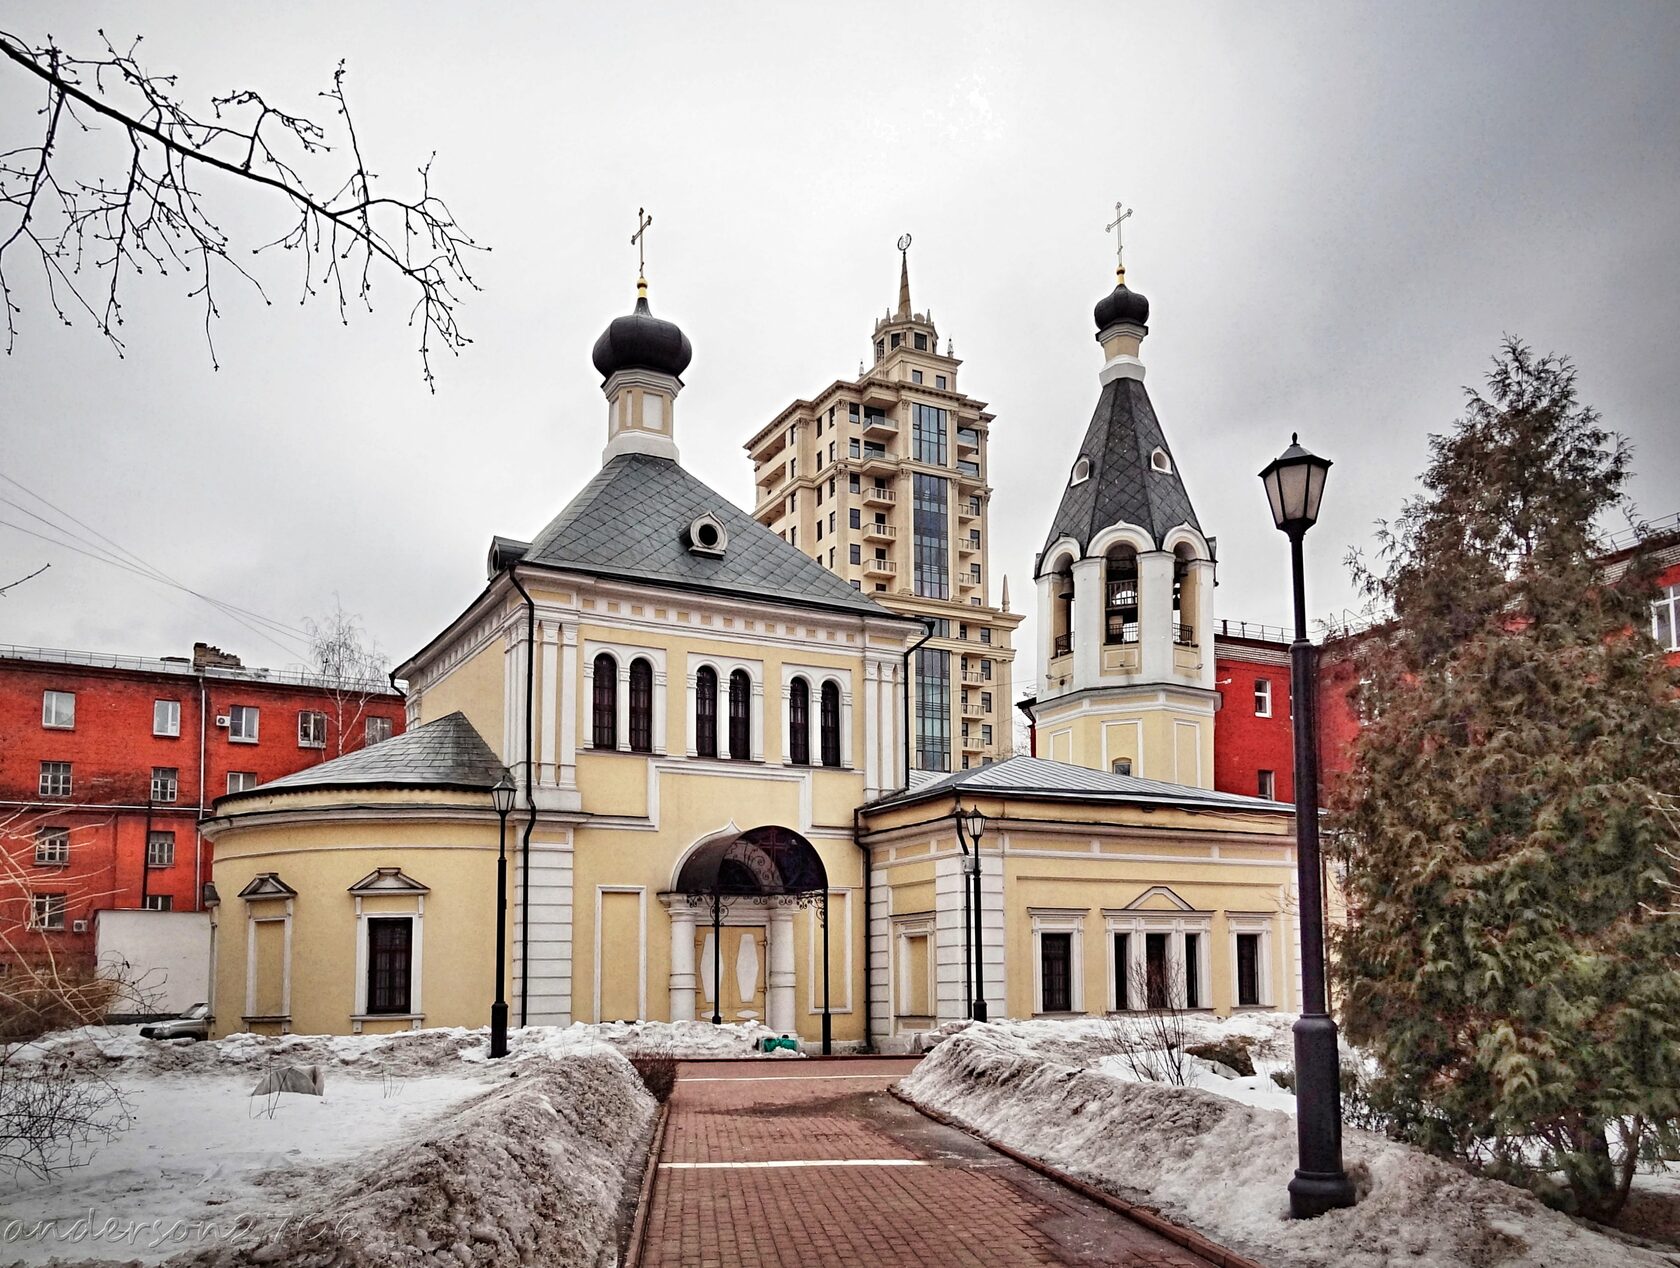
x,y
1116,228
643,220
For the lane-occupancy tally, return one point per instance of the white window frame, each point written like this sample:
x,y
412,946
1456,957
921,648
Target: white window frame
x,y
815,676
238,714
46,788
311,735
1267,784
1670,600
159,902
56,714
376,722
163,837
723,667
170,722
1259,923
43,903
1262,697
166,787
623,654
905,928
52,847
1138,923
242,776
1059,920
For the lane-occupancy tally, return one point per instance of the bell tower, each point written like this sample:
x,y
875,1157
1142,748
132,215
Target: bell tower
x,y
1125,585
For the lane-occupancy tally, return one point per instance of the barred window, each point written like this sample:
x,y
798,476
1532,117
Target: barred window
x,y
829,724
799,722
641,706
706,711
604,732
740,715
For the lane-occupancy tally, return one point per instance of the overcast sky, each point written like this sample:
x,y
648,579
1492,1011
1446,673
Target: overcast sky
x,y
1340,209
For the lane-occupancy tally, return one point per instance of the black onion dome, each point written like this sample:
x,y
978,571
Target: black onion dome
x,y
642,341
1121,304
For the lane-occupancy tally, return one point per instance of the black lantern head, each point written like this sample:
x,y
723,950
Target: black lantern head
x,y
1294,486
502,794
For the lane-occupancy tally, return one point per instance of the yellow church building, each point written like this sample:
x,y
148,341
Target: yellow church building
x,y
714,812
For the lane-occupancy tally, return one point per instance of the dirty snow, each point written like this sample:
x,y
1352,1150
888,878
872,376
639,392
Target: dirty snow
x,y
421,1151
1221,1166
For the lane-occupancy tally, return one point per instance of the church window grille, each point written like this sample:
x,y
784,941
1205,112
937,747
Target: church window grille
x,y
799,722
740,717
641,706
705,711
829,724
604,733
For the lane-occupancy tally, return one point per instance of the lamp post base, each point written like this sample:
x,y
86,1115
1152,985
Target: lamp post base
x,y
498,1030
978,1011
1321,1183
1312,1193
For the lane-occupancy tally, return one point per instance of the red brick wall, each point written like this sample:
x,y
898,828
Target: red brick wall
x,y
112,752
1244,743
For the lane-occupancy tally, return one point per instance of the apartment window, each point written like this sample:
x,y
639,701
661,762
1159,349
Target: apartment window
x,y
793,468
831,521
852,410
939,381
856,553
1665,619
854,483
58,710
1268,785
46,911
641,706
793,536
160,849
831,557
930,522
52,847
1248,970
390,964
793,501
921,343
985,634
819,494
799,722
55,779
604,732
819,530
160,902
312,729
166,783
740,716
986,734
974,573
376,729
855,516
854,449
985,702
828,724
831,451
1055,962
895,340
241,780
1262,697
985,671
916,375
933,709
927,435
166,717
705,711
242,723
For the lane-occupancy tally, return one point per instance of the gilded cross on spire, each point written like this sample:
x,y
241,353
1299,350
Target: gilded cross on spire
x,y
1116,227
638,240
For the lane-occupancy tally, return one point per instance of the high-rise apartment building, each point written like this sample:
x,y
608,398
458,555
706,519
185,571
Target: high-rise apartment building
x,y
883,480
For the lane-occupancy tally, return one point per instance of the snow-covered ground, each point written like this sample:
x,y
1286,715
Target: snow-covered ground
x,y
421,1150
1220,1163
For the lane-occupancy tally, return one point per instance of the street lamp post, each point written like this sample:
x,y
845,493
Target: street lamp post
x,y
502,797
975,823
1294,486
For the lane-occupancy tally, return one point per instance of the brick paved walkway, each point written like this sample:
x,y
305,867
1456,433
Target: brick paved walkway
x,y
850,1176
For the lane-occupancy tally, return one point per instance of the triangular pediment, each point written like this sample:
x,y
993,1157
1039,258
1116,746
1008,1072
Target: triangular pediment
x,y
388,880
1158,898
267,885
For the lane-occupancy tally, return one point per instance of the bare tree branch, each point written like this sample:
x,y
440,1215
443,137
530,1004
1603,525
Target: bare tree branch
x,y
152,216
13,585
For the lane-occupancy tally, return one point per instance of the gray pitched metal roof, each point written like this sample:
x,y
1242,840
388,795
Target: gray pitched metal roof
x,y
632,521
1036,776
447,753
1123,487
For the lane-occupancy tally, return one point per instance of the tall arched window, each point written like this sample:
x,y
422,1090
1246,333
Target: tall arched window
x,y
829,724
641,706
799,722
1184,597
1120,595
604,733
740,715
1061,609
705,711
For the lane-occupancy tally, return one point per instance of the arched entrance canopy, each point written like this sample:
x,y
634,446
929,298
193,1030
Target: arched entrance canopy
x,y
767,862
761,866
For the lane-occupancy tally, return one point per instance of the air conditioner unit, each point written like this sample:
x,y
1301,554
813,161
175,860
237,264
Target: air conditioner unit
x,y
78,926
223,722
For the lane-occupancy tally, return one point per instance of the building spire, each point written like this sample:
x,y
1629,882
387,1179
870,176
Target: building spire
x,y
904,278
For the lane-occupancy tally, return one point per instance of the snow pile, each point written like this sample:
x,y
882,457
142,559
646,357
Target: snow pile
x,y
689,1040
1221,1166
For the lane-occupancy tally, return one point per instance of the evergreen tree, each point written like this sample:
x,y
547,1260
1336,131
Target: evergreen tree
x,y
1505,959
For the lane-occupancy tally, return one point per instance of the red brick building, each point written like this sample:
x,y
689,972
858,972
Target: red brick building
x,y
110,762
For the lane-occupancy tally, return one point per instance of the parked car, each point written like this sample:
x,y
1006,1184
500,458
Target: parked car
x,y
192,1024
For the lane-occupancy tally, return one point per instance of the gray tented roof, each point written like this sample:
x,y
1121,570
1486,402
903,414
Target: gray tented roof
x,y
632,521
1122,488
1035,776
447,753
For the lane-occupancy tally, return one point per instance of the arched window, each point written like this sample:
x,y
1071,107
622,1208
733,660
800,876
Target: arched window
x,y
705,711
641,706
1120,595
740,715
829,724
605,731
1184,597
799,722
1061,608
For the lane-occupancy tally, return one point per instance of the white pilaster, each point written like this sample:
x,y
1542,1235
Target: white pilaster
x,y
683,981
659,694
624,705
779,994
1087,621
1155,615
548,633
570,697
692,727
